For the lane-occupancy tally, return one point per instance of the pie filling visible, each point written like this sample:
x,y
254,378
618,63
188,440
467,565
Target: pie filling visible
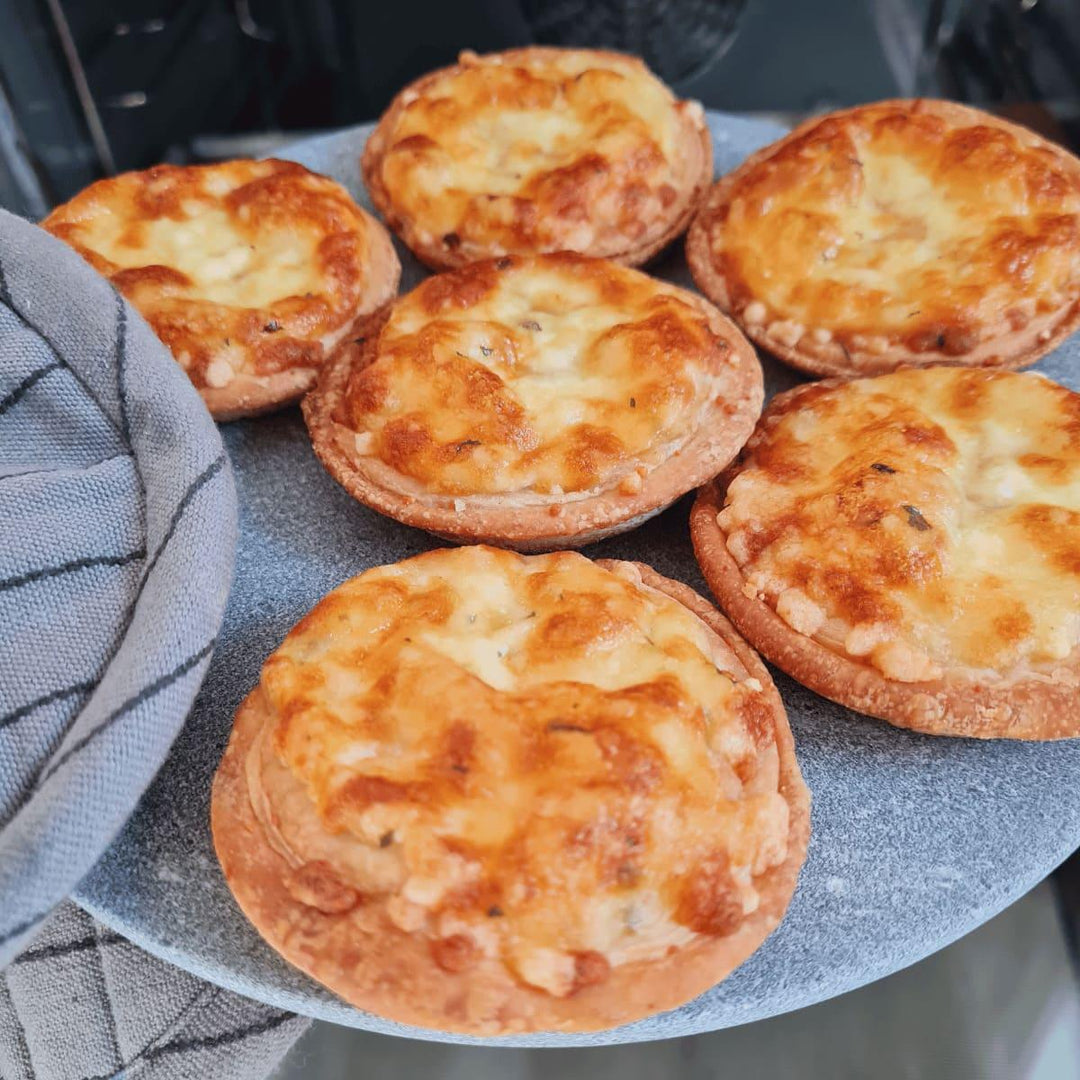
x,y
527,759
892,227
548,378
242,268
560,149
920,521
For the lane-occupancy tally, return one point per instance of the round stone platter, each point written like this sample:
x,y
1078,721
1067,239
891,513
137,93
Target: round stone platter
x,y
915,840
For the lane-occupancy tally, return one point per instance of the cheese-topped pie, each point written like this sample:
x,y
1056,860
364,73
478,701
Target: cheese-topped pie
x,y
536,402
538,149
489,793
909,545
906,232
249,271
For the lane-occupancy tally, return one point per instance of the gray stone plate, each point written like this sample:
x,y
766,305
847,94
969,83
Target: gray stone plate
x,y
916,841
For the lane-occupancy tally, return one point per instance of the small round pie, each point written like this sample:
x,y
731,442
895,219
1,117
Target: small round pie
x,y
909,546
536,402
901,233
251,272
535,150
490,793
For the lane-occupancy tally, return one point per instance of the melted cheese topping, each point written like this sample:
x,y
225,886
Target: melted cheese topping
x,y
553,374
888,224
247,266
532,759
540,150
923,520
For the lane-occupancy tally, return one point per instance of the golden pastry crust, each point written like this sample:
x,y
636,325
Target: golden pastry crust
x,y
535,402
508,819
251,272
900,233
538,149
909,546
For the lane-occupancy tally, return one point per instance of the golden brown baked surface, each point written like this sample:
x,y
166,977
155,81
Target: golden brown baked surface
x,y
923,524
538,149
901,232
250,271
497,393
520,792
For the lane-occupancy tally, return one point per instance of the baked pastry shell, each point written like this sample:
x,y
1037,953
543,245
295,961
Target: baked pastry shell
x,y
695,139
255,395
371,963
1004,348
250,394
961,703
545,525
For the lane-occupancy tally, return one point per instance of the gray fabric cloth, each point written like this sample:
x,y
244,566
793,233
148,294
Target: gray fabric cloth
x,y
82,1003
117,538
117,533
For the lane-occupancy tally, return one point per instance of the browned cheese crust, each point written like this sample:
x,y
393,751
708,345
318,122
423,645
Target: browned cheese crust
x,y
538,149
561,854
535,403
900,233
909,546
251,272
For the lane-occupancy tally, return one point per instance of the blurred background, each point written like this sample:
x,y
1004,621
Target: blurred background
x,y
89,87
92,87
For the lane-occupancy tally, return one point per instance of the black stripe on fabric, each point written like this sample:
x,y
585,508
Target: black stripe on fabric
x,y
56,695
194,487
195,1000
148,691
105,1002
15,396
18,474
120,358
70,567
208,1042
47,699
50,952
6,298
22,927
133,702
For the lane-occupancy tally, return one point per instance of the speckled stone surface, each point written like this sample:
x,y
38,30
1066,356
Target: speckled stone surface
x,y
916,841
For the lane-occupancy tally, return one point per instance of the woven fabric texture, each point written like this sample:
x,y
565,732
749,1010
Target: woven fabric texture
x,y
117,538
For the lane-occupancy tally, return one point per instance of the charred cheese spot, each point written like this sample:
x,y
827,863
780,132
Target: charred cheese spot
x,y
590,969
708,899
965,554
315,885
893,224
555,374
541,150
247,267
445,738
455,954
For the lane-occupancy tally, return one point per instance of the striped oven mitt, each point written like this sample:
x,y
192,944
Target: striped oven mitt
x,y
117,533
